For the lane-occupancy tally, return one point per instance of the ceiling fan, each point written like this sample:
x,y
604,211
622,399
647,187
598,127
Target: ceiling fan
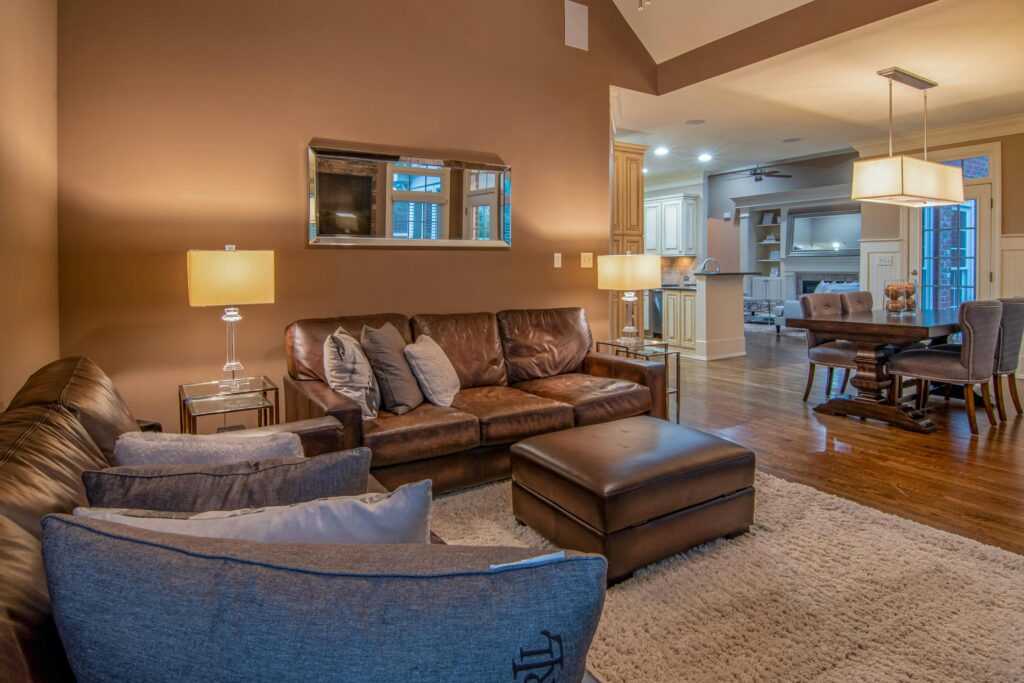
x,y
759,173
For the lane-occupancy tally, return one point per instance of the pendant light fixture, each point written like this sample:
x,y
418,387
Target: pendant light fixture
x,y
904,180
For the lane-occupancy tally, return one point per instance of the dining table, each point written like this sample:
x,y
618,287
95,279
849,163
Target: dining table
x,y
874,335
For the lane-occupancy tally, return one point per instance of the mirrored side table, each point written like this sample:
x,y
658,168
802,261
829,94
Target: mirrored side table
x,y
652,349
223,397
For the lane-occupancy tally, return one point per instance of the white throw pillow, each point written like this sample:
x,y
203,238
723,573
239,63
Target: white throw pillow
x,y
157,448
401,516
434,372
348,372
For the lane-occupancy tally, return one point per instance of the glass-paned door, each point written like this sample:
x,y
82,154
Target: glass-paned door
x,y
953,251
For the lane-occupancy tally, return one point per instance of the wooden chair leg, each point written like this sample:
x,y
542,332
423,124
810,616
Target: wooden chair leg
x,y
894,382
924,386
987,400
828,382
810,381
846,380
949,391
1014,396
997,381
972,419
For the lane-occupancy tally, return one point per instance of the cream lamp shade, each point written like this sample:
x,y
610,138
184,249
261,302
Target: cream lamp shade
x,y
629,272
230,278
907,181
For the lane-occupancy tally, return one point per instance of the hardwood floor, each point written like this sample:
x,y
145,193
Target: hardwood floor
x,y
970,485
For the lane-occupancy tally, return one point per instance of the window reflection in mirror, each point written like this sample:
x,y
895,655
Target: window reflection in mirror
x,y
368,200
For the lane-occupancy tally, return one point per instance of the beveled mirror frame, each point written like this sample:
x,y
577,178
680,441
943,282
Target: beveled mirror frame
x,y
321,151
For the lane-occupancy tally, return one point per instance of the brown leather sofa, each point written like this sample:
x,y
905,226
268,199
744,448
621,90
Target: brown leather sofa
x,y
522,373
64,420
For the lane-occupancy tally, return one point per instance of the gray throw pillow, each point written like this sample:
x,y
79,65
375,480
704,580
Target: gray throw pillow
x,y
158,448
159,607
385,347
401,516
348,372
434,372
229,486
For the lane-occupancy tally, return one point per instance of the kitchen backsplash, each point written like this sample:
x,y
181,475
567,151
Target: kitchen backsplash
x,y
676,269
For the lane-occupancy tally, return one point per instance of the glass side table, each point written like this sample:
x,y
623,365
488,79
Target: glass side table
x,y
652,349
228,396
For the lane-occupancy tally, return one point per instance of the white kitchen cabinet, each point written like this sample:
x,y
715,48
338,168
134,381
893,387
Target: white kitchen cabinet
x,y
652,228
766,288
671,317
670,226
690,222
688,328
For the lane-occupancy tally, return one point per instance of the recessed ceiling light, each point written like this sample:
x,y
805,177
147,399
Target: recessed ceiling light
x,y
704,157
792,139
661,151
645,170
695,122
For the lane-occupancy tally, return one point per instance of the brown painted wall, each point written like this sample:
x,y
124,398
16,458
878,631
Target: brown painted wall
x,y
883,222
184,124
28,189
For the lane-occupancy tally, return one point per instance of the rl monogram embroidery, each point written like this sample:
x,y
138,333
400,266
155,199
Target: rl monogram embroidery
x,y
539,665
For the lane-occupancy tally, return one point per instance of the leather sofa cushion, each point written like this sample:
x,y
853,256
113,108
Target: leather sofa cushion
x,y
543,342
423,432
618,474
79,385
43,452
593,399
836,353
472,344
25,612
304,339
508,414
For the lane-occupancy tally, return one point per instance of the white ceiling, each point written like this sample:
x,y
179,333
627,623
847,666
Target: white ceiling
x,y
828,94
668,28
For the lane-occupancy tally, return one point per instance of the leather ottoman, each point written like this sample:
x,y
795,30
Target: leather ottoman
x,y
636,490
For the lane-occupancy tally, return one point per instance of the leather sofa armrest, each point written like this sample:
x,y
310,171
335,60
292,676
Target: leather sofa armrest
x,y
304,399
319,435
149,426
647,373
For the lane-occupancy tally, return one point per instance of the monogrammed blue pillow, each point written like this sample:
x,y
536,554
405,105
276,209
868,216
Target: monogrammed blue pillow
x,y
131,603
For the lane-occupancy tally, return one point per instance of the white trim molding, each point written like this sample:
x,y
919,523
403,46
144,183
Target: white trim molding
x,y
1011,257
948,135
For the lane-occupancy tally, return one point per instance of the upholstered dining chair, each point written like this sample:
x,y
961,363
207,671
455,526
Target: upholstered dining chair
x,y
1011,332
825,351
973,364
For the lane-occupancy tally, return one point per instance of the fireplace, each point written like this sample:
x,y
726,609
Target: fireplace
x,y
807,282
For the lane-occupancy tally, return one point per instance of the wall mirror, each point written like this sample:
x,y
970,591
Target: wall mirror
x,y
362,195
824,233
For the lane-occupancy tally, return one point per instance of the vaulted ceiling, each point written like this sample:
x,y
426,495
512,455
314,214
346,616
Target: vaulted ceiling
x,y
827,94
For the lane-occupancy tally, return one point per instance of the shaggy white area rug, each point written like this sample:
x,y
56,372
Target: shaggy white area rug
x,y
821,589
757,328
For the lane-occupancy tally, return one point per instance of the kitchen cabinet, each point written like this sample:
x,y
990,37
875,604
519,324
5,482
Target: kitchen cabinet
x,y
628,214
671,226
766,288
671,317
679,318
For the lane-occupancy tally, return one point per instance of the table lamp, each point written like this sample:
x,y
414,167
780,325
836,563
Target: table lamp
x,y
230,278
629,273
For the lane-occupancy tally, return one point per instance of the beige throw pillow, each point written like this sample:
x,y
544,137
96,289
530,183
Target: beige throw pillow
x,y
348,372
401,516
434,372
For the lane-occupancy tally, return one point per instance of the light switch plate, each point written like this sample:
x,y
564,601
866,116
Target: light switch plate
x,y
558,260
587,259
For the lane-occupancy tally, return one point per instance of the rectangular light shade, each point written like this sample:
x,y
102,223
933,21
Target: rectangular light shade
x,y
629,272
907,181
230,278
